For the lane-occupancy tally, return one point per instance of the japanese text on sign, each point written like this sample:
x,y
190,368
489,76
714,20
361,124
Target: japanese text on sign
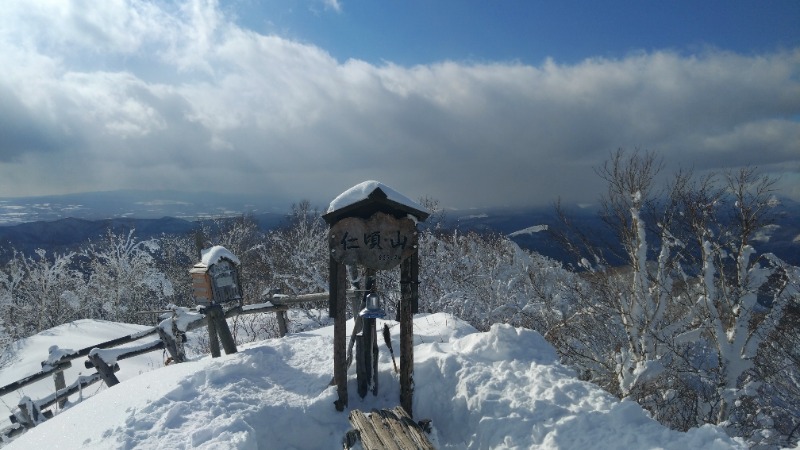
x,y
380,242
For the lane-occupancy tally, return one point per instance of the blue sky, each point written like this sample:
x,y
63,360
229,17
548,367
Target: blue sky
x,y
474,103
424,32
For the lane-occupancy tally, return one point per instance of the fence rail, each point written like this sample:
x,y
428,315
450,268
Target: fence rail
x,y
104,358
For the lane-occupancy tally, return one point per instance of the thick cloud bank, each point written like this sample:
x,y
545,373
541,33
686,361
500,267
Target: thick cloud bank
x,y
143,94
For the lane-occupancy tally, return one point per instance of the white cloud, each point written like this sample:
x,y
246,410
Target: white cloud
x,y
147,95
335,5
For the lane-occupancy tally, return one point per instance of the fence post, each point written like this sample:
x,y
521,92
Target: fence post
x,y
171,344
106,372
218,331
58,377
61,383
224,331
28,417
283,328
213,339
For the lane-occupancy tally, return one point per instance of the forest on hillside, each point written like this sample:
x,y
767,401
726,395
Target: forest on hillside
x,y
698,326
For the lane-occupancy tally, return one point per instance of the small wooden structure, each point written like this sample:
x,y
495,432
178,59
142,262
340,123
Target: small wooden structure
x,y
215,282
386,429
373,226
215,279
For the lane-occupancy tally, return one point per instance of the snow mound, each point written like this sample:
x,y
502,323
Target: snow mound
x,y
500,389
505,389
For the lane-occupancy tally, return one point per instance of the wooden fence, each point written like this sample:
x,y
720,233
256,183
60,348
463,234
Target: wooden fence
x,y
105,358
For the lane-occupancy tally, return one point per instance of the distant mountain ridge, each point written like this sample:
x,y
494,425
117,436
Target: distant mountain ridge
x,y
178,213
63,234
137,204
531,228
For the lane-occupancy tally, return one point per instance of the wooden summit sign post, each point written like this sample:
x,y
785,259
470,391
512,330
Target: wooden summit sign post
x,y
374,227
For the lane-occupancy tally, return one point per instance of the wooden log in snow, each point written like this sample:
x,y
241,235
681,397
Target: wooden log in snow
x,y
386,429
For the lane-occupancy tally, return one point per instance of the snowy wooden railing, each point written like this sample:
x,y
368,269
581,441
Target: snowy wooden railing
x,y
104,357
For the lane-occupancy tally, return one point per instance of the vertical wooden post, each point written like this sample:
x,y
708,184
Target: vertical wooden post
x,y
283,328
408,300
28,419
218,331
371,344
173,340
356,301
61,383
337,307
365,345
224,331
361,369
58,377
213,339
374,358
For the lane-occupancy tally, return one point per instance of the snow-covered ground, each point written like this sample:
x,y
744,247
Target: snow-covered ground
x,y
500,389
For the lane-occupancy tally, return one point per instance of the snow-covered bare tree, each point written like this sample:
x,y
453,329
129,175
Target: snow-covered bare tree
x,y
124,278
178,253
690,319
641,298
743,296
40,292
297,253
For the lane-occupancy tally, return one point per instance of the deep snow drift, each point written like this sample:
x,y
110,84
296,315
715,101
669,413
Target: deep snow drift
x,y
500,389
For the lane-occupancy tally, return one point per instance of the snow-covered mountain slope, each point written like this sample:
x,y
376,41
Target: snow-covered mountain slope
x,y
500,389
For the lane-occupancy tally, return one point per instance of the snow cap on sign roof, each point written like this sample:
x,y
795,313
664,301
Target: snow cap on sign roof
x,y
363,190
376,194
211,256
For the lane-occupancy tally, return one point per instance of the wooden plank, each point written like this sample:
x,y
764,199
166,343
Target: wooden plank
x,y
387,429
112,343
259,308
398,431
383,430
373,435
135,351
413,430
44,373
